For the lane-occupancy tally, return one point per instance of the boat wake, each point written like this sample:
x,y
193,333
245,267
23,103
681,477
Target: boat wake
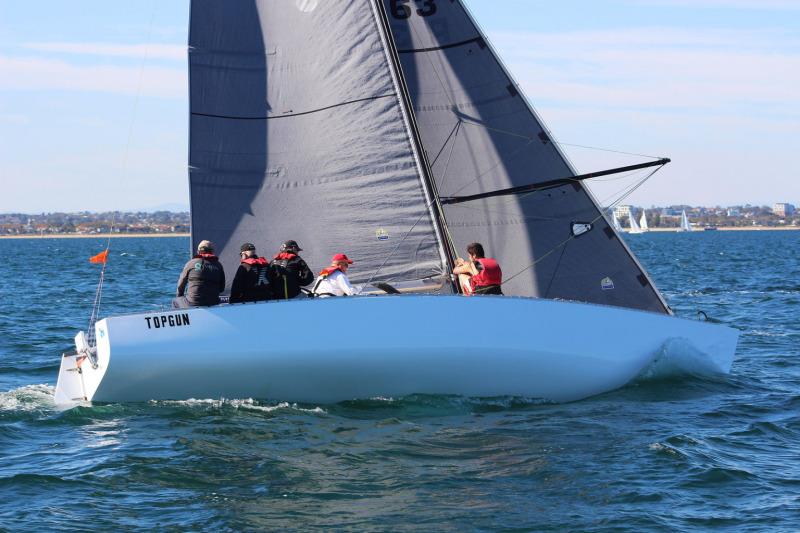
x,y
28,398
247,404
679,358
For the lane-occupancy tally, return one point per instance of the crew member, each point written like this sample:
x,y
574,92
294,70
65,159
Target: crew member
x,y
332,281
251,283
202,279
479,275
289,272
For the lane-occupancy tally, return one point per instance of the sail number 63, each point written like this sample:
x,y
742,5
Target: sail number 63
x,y
401,10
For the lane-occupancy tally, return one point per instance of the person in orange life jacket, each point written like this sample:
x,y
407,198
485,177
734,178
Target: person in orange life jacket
x,y
251,283
479,275
289,272
332,281
202,279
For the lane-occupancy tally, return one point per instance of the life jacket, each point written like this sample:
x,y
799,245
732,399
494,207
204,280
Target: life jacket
x,y
490,274
284,256
255,261
325,273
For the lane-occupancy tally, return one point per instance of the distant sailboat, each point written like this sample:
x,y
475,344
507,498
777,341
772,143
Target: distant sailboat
x,y
634,226
643,222
615,222
685,226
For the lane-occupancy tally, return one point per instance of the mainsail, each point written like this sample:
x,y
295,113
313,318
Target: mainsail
x,y
632,223
643,221
481,135
299,130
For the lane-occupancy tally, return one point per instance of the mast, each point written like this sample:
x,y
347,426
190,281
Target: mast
x,y
428,183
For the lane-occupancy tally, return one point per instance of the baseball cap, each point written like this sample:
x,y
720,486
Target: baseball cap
x,y
341,257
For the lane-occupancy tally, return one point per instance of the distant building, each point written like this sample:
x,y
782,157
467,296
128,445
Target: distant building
x,y
622,212
783,210
734,212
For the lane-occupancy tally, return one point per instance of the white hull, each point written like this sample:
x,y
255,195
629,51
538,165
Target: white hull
x,y
335,349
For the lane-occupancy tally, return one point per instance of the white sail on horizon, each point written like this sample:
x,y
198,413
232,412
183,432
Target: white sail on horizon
x,y
643,222
634,226
685,226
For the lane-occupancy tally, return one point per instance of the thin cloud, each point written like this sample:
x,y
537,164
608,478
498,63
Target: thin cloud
x,y
136,51
663,68
780,5
37,74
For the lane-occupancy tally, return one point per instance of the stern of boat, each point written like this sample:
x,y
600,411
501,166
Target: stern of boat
x,y
81,372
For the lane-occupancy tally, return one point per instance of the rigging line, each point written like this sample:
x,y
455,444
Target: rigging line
x,y
548,184
99,292
607,150
449,156
291,113
555,270
444,144
449,235
637,185
514,200
380,267
522,216
627,175
571,237
522,136
402,240
494,166
498,130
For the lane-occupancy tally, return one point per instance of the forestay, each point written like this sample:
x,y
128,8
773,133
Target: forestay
x,y
297,131
481,135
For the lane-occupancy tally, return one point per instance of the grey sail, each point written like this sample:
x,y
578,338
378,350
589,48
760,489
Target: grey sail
x,y
298,131
481,135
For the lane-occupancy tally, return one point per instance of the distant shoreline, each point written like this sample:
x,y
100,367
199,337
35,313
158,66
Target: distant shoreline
x,y
95,236
724,228
165,235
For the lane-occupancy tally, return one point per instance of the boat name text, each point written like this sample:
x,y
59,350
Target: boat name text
x,y
163,321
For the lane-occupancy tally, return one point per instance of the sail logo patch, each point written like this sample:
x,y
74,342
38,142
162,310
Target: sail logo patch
x,y
607,284
164,321
382,235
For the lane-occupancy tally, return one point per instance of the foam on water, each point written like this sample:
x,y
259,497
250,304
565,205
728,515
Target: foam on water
x,y
28,398
679,358
244,404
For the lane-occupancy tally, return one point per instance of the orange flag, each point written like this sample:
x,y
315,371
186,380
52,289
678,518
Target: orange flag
x,y
102,257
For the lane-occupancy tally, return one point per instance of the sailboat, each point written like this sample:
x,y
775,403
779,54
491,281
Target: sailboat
x,y
634,227
388,130
685,226
643,222
615,222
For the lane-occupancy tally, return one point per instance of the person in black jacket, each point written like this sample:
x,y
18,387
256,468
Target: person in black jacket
x,y
251,283
202,279
289,272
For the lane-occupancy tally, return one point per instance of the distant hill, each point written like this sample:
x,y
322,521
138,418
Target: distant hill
x,y
173,208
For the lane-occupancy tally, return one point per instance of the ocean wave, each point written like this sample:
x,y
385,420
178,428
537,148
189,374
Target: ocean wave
x,y
679,358
27,398
247,404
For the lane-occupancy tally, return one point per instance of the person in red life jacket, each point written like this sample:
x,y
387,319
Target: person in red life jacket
x,y
202,279
333,281
479,275
251,282
289,272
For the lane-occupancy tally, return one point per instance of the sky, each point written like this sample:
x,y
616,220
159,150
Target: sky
x,y
94,109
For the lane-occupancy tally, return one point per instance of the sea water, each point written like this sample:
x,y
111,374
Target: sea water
x,y
677,449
